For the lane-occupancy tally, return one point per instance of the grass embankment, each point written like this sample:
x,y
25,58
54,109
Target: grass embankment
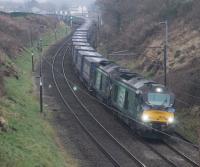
x,y
188,125
29,139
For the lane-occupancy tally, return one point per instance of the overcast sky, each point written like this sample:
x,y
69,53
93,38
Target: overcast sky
x,y
74,2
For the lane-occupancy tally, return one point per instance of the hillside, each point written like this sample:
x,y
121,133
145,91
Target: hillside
x,y
133,25
26,136
18,31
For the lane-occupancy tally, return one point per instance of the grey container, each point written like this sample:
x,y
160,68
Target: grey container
x,y
80,57
80,48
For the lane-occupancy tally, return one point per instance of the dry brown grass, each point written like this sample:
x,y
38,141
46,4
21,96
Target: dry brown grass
x,y
16,31
16,34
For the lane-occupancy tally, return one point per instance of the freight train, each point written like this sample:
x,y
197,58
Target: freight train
x,y
144,105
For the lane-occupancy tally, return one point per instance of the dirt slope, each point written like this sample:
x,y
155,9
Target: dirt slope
x,y
183,61
136,28
18,31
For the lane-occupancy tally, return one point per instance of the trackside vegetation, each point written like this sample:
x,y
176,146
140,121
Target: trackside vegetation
x,y
28,140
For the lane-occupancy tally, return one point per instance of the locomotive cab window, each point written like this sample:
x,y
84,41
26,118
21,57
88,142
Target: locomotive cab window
x,y
158,99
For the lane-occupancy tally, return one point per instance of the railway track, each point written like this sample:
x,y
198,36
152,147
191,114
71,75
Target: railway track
x,y
184,156
169,153
171,162
109,145
174,156
84,106
183,139
112,148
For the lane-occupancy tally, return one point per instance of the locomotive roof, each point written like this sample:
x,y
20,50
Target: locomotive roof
x,y
79,40
81,44
88,48
89,53
132,79
96,59
140,83
110,68
124,75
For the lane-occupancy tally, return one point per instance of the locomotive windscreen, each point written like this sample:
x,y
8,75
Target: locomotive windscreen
x,y
158,99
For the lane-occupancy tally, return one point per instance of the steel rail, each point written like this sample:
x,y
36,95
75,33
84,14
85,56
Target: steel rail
x,y
153,149
192,162
101,148
171,148
92,116
150,147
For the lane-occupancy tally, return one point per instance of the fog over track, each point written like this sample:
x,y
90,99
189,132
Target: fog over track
x,y
69,2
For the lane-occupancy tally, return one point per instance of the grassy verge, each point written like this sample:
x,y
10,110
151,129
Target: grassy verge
x,y
188,125
29,139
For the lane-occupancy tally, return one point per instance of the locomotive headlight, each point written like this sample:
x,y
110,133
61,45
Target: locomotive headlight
x,y
170,119
75,88
159,90
145,118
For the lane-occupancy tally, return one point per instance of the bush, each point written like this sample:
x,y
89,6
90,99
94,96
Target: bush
x,y
176,8
19,14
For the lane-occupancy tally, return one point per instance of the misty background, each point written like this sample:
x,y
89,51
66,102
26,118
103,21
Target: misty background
x,y
69,2
42,6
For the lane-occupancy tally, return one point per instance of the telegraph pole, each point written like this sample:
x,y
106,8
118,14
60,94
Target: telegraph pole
x,y
32,55
40,46
96,36
31,34
165,51
71,21
198,131
41,80
41,95
55,32
98,22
